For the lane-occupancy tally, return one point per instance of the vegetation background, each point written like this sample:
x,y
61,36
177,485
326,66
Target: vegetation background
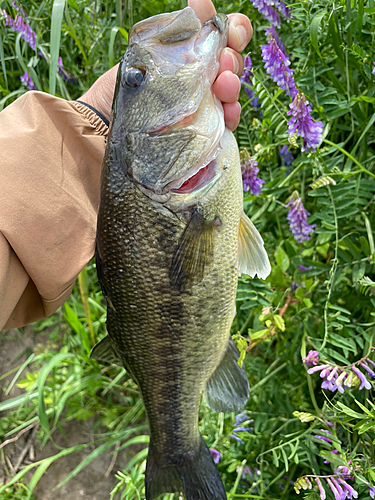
x,y
319,297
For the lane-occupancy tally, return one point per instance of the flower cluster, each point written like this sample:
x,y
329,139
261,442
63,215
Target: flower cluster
x,y
341,378
277,66
250,171
27,81
297,220
338,485
20,25
247,79
240,426
272,33
302,123
265,8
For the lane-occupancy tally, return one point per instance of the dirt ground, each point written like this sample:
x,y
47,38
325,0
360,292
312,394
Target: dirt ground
x,y
91,483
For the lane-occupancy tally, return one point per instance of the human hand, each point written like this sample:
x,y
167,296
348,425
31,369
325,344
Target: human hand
x,y
227,85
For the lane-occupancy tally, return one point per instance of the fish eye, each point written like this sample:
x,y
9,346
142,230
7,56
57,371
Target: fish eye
x,y
134,77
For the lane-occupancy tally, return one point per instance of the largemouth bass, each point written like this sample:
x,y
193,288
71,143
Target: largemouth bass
x,y
172,239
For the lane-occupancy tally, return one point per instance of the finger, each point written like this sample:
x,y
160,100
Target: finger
x,y
230,60
204,9
232,113
227,87
240,31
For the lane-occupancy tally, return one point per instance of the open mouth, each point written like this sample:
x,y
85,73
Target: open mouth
x,y
200,179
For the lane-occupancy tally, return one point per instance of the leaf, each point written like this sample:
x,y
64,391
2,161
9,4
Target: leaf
x,y
56,21
348,411
282,259
314,29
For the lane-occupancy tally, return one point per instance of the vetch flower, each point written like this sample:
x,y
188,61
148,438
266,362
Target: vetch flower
x,y
364,382
373,72
27,81
286,155
268,12
237,438
372,490
246,78
250,171
277,66
311,359
321,489
303,125
297,220
334,490
349,491
367,368
216,455
272,33
20,25
304,268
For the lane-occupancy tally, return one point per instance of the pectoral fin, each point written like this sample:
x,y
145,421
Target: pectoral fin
x,y
194,252
103,351
252,257
228,388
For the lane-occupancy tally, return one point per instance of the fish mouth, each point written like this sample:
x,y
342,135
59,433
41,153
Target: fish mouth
x,y
206,175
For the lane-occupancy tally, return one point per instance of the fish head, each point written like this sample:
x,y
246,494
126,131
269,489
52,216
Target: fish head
x,y
165,117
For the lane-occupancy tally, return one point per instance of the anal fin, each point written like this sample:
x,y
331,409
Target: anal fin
x,y
228,388
252,257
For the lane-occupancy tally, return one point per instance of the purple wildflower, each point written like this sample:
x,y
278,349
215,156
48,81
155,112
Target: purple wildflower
x,y
243,429
268,12
20,25
321,489
216,455
302,123
334,490
311,359
373,72
349,491
372,490
364,382
286,155
237,438
367,368
277,66
297,220
272,33
281,7
323,438
250,171
247,471
27,81
304,268
241,417
317,368
294,286
246,78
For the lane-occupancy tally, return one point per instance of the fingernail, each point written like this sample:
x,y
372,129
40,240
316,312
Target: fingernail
x,y
242,36
236,66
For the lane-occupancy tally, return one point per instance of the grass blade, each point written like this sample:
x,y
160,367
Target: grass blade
x,y
56,21
3,61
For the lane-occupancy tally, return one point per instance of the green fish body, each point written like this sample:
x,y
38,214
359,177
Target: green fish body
x,y
171,241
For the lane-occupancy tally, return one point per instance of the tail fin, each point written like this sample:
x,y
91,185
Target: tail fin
x,y
196,475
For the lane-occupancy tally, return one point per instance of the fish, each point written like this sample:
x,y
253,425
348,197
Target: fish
x,y
172,239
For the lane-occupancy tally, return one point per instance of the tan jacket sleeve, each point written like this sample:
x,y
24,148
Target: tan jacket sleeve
x,y
51,153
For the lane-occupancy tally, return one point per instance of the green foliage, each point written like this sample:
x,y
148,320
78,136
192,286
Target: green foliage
x,y
326,305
